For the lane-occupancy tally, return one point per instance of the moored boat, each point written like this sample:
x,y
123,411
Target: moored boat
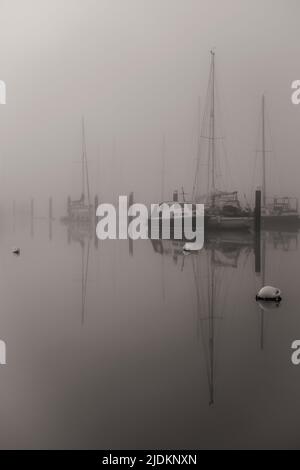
x,y
276,212
282,211
228,223
81,210
222,208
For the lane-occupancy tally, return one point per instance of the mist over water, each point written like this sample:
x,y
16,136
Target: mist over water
x,y
136,70
132,345
170,355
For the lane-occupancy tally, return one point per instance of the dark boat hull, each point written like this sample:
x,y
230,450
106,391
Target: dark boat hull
x,y
280,221
229,223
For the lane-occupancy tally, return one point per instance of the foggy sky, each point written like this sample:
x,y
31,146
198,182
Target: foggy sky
x,y
136,69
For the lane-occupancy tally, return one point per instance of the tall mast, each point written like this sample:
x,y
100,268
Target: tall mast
x,y
263,153
82,157
208,118
196,178
163,157
212,120
85,174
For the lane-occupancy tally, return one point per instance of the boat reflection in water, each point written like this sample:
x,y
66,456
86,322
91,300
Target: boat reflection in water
x,y
82,233
231,244
277,212
222,250
211,288
214,284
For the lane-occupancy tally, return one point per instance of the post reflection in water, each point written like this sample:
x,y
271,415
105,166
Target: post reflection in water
x,y
213,283
164,349
280,241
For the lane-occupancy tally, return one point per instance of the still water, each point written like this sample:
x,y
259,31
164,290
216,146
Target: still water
x,y
138,346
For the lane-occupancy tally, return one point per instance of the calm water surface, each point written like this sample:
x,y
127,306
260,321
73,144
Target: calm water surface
x,y
119,346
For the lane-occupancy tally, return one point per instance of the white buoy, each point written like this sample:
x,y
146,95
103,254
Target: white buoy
x,y
269,293
192,247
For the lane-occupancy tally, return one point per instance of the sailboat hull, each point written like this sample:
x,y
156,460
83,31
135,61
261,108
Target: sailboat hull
x,y
288,220
229,223
80,213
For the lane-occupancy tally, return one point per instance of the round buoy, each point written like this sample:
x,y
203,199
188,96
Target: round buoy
x,y
268,293
192,247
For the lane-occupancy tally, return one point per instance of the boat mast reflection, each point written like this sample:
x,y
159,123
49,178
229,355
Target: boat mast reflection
x,y
211,289
82,234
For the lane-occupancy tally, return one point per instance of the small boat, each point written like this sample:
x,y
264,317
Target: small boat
x,y
277,211
223,209
225,212
281,211
81,210
221,222
78,210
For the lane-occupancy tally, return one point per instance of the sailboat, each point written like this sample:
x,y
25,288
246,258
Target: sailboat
x,y
223,208
276,211
81,210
